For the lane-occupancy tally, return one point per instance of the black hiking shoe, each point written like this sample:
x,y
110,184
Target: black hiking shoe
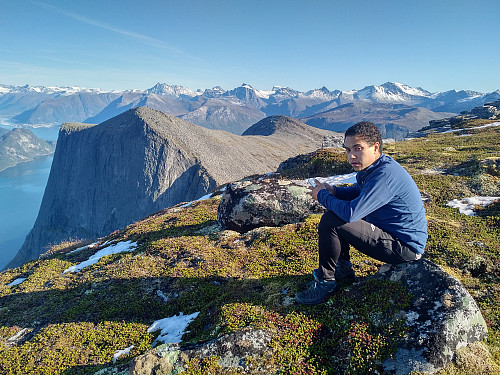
x,y
317,292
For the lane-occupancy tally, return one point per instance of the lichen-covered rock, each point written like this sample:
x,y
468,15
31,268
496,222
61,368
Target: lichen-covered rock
x,y
232,349
150,364
442,318
260,202
233,352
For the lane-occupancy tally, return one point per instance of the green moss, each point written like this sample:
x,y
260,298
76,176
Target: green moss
x,y
61,347
321,163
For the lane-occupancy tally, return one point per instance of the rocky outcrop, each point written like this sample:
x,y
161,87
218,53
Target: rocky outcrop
x,y
231,350
442,318
249,204
22,145
107,176
487,111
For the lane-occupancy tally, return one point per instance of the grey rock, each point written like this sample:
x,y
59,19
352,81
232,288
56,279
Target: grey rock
x,y
232,351
442,318
268,201
107,176
150,364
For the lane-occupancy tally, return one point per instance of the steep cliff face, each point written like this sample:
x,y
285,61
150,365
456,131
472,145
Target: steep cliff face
x,y
107,176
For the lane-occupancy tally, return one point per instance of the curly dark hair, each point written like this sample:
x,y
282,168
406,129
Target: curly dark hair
x,y
368,130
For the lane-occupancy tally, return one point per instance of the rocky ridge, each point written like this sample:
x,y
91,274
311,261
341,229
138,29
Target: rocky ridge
x,y
487,111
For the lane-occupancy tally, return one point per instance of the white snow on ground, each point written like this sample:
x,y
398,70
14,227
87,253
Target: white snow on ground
x,y
17,281
339,179
205,197
172,328
466,205
85,247
474,128
119,353
120,247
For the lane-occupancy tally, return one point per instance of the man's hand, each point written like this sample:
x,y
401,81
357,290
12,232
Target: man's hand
x,y
319,186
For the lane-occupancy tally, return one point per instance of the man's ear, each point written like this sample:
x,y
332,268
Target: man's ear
x,y
376,147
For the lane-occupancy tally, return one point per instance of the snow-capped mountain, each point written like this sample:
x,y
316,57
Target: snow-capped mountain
x,y
175,91
48,90
393,93
231,110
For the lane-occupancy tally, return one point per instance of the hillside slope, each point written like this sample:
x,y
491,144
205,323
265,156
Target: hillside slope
x,y
80,317
106,176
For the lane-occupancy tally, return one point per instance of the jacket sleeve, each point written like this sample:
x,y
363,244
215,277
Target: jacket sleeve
x,y
374,194
347,193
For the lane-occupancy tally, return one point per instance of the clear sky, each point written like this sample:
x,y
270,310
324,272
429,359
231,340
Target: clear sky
x,y
438,45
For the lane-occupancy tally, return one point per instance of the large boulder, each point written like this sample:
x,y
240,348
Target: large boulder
x,y
269,201
442,318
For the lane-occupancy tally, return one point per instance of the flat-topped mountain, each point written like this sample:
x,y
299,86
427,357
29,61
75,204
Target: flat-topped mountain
x,y
21,145
106,176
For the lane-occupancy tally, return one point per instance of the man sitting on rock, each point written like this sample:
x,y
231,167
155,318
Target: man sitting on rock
x,y
382,215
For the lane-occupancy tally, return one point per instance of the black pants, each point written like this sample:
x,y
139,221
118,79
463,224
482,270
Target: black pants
x,y
335,236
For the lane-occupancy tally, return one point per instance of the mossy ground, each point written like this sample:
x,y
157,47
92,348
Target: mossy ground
x,y
72,323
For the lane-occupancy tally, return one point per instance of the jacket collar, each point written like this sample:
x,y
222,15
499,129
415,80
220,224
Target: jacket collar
x,y
362,175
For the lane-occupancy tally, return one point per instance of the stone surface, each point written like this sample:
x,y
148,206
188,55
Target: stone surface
x,y
150,364
442,318
107,176
232,351
261,202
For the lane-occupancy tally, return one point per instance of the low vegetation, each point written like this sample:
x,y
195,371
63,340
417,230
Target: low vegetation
x,y
74,323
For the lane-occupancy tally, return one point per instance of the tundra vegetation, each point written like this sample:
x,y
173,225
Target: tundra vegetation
x,y
74,322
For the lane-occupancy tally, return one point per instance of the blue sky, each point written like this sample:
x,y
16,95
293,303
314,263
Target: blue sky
x,y
438,45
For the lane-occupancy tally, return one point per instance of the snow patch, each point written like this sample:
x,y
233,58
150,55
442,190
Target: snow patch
x,y
172,328
120,247
474,128
466,205
17,281
119,353
338,179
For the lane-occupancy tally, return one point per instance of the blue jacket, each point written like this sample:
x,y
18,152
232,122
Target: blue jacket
x,y
386,196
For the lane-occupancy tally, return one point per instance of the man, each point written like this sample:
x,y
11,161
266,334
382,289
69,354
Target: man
x,y
382,215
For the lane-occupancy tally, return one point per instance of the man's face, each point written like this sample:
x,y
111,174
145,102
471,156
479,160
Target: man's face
x,y
359,153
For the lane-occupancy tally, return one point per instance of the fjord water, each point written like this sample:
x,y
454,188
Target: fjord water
x,y
21,192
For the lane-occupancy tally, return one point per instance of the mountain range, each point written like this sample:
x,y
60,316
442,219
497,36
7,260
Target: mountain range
x,y
395,107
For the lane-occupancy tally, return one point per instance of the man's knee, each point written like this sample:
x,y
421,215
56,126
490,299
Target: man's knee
x,y
329,220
